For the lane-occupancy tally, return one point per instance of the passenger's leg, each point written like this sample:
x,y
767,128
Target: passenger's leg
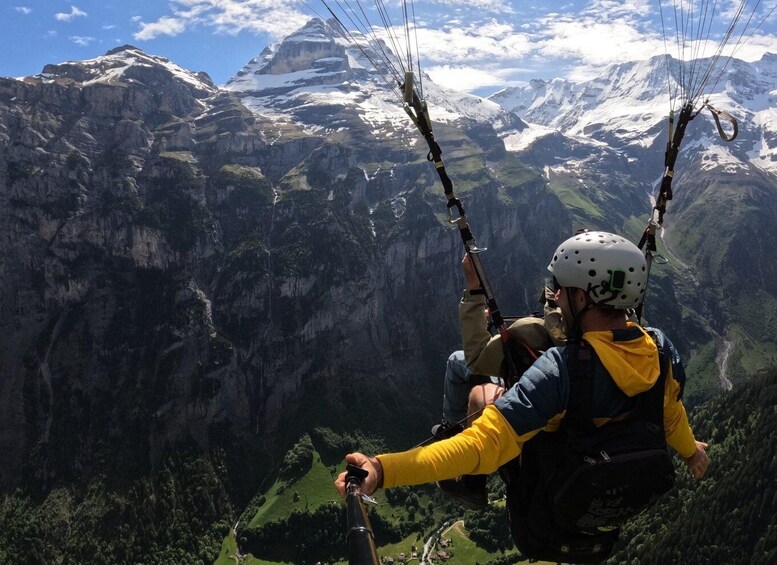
x,y
470,490
456,388
481,396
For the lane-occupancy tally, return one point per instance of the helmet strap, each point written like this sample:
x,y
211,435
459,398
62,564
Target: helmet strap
x,y
577,317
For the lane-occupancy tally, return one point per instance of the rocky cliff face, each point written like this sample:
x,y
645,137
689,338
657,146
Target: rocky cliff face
x,y
179,269
105,214
126,183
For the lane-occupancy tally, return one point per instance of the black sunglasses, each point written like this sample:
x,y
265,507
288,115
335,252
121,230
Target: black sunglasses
x,y
556,285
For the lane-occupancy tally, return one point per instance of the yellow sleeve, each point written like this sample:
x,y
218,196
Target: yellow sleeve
x,y
678,431
487,444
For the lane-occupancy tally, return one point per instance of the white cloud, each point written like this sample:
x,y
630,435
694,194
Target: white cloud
x,y
607,10
758,10
504,6
467,78
611,31
491,40
74,13
595,43
107,27
81,40
163,26
745,19
274,17
23,10
755,48
749,40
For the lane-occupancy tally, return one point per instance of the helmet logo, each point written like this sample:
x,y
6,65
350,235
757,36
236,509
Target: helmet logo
x,y
617,280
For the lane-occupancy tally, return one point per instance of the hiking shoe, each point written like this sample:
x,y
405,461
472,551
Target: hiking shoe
x,y
469,490
446,429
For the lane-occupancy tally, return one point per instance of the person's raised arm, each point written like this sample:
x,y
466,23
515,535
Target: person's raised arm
x,y
470,275
482,351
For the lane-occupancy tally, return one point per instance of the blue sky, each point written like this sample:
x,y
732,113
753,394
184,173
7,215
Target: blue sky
x,y
473,45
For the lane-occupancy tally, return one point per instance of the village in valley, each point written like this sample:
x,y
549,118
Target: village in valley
x,y
439,553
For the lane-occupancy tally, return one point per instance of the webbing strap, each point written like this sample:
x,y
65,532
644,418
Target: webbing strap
x,y
580,367
419,114
648,240
673,148
720,114
670,158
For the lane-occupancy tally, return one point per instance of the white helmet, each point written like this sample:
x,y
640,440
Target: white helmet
x,y
611,269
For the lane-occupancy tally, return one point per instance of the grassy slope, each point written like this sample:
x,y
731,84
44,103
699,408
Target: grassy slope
x,y
315,489
229,556
462,549
568,191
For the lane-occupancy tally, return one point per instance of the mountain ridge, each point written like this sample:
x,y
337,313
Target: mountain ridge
x,y
605,110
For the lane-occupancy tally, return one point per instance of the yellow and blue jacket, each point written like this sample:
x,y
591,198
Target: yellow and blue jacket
x,y
627,364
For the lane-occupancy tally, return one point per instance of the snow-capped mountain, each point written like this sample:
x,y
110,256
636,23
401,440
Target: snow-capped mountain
x,y
127,64
627,107
599,144
317,79
628,89
317,70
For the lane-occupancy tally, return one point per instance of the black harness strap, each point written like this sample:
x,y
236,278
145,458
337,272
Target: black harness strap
x,y
580,365
648,240
418,112
670,158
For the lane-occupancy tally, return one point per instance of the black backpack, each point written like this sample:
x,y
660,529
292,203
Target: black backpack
x,y
571,490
